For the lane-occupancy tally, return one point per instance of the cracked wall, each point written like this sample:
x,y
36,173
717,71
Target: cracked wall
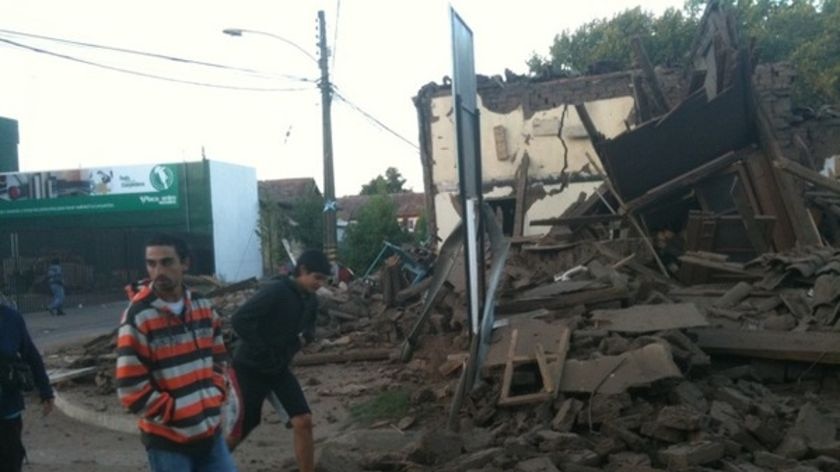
x,y
519,118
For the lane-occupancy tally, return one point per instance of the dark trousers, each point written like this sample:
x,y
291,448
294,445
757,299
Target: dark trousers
x,y
11,447
256,386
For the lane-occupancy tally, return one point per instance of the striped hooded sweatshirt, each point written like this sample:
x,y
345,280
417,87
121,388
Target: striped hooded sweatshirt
x,y
170,370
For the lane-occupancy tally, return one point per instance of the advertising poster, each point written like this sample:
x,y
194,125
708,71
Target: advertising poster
x,y
93,190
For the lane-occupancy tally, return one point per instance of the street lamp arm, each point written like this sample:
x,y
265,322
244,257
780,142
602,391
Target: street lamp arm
x,y
240,32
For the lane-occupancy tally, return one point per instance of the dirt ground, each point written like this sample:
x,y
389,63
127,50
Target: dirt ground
x,y
59,443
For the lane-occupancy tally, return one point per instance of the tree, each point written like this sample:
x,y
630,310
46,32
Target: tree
x,y
302,224
805,32
307,218
606,41
375,223
391,182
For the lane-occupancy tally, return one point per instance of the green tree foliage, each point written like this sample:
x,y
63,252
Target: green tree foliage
x,y
376,222
805,32
303,223
666,39
308,218
391,182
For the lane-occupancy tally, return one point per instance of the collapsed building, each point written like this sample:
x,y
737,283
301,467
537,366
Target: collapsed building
x,y
681,314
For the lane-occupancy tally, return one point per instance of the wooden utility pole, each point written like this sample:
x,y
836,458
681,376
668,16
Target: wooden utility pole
x,y
330,237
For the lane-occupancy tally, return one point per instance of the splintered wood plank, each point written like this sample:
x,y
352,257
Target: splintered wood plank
x,y
507,377
521,196
560,364
810,346
649,318
747,211
615,374
560,288
568,300
538,397
529,333
539,353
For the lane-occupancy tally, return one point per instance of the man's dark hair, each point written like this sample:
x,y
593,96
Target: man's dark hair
x,y
54,261
165,239
314,261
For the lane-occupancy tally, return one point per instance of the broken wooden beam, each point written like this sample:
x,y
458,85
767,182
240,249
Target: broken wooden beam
x,y
800,218
649,318
577,220
725,267
807,175
521,196
569,300
356,355
757,237
809,346
414,290
650,75
683,181
588,124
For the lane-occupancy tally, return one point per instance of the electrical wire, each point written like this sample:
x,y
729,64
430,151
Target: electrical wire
x,y
145,74
154,55
193,62
335,34
374,119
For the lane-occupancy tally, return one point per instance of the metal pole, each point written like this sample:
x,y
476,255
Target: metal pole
x,y
329,177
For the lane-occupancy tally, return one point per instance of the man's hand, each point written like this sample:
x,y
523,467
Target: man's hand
x,y
47,406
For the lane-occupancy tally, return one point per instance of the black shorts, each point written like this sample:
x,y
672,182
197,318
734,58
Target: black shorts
x,y
11,447
256,385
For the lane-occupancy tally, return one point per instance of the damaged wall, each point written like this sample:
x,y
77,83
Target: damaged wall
x,y
817,130
520,118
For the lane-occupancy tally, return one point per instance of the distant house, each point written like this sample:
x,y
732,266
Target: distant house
x,y
277,197
410,206
285,192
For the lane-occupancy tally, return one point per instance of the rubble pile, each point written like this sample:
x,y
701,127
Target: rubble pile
x,y
684,317
353,324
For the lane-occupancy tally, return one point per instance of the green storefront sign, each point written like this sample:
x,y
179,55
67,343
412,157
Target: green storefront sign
x,y
94,190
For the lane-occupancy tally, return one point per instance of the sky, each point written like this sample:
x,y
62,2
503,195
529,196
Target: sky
x,y
73,114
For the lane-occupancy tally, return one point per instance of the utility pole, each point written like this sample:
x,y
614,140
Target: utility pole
x,y
330,246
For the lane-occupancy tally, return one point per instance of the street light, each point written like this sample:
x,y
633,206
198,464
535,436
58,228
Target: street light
x,y
239,32
330,227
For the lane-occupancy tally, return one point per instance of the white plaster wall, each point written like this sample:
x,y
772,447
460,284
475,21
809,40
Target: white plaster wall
x,y
551,206
532,135
235,209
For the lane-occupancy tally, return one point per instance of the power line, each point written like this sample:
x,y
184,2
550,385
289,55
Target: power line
x,y
154,55
193,62
335,34
145,74
375,120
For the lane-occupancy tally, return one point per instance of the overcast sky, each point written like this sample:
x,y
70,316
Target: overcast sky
x,y
77,115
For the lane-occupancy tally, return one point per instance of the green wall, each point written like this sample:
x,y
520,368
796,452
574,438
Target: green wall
x,y
9,139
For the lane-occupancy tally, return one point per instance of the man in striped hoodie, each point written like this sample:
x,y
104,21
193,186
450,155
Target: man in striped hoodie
x,y
170,366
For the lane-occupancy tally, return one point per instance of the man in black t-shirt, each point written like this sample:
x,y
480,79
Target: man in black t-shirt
x,y
272,326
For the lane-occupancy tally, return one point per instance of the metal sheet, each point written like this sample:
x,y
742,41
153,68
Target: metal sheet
x,y
694,133
443,265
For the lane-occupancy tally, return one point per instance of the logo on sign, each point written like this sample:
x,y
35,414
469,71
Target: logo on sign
x,y
162,178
